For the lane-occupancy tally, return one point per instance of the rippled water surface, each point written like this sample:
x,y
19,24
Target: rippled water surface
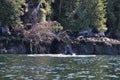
x,y
58,67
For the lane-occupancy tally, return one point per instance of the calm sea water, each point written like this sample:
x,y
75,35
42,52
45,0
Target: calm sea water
x,y
59,67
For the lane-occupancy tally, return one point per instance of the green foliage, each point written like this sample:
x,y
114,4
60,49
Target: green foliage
x,y
45,9
56,28
111,21
113,15
98,14
78,14
72,14
10,12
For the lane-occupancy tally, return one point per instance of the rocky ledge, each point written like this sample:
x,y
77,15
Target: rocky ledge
x,y
101,45
43,38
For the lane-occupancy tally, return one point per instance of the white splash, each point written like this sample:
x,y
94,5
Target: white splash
x,y
60,55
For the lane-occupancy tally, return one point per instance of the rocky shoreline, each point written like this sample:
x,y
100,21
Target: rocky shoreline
x,y
41,39
80,45
98,46
86,46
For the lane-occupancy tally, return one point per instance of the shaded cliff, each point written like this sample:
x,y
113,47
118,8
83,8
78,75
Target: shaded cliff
x,y
101,45
33,40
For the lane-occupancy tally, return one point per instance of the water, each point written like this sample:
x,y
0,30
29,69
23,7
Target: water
x,y
59,67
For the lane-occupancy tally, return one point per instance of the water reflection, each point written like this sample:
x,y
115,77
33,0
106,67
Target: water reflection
x,y
23,67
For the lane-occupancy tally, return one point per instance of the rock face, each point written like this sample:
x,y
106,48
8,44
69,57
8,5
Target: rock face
x,y
42,39
12,46
102,45
86,46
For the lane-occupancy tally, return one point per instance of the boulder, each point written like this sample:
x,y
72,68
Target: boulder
x,y
101,34
3,51
5,31
86,32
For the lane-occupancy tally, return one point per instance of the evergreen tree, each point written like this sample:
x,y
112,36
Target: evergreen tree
x,y
78,14
45,9
98,14
10,12
117,13
113,17
65,13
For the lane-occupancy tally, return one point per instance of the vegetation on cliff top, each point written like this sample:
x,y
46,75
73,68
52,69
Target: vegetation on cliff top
x,y
102,15
11,11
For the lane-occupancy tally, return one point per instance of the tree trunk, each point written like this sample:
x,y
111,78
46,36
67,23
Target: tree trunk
x,y
43,17
60,6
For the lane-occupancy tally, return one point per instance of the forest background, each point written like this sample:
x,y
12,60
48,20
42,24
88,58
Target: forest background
x,y
75,15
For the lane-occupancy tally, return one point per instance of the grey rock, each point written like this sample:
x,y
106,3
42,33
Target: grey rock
x,y
86,32
5,31
3,51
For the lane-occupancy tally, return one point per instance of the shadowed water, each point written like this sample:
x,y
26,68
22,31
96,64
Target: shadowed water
x,y
59,67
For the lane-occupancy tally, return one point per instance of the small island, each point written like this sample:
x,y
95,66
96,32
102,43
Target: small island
x,y
89,27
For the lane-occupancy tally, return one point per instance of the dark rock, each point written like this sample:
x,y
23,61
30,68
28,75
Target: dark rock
x,y
98,46
16,49
68,50
83,48
102,48
55,46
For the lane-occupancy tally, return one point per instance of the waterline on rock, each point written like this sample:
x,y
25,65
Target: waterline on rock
x,y
60,55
